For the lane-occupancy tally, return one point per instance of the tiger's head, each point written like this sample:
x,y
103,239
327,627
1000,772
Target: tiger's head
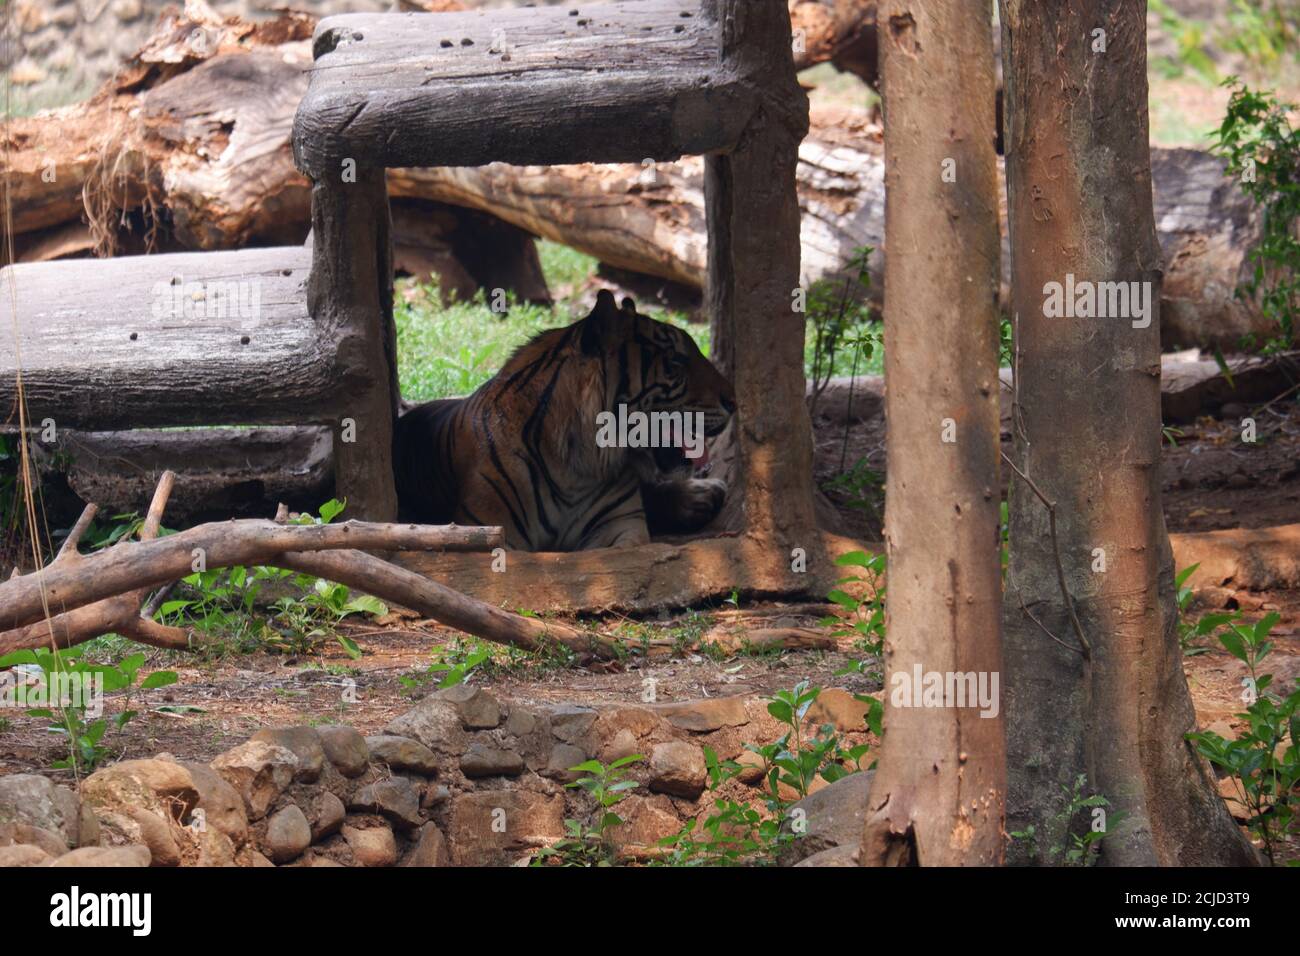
x,y
656,367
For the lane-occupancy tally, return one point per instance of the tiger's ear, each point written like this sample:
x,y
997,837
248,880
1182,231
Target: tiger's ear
x,y
602,325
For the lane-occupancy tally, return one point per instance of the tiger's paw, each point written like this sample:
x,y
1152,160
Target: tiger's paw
x,y
699,500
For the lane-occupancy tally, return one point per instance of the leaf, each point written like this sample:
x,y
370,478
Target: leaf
x,y
159,679
365,604
331,510
1234,644
1184,574
1266,624
349,646
781,710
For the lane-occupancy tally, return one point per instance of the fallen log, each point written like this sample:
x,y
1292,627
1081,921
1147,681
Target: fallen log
x,y
108,592
75,582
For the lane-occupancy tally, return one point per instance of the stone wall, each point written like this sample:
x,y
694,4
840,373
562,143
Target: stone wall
x,y
462,779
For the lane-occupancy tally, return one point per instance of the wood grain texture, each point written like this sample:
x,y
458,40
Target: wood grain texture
x,y
614,82
181,339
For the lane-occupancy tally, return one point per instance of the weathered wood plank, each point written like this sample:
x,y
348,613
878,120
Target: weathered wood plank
x,y
615,82
182,339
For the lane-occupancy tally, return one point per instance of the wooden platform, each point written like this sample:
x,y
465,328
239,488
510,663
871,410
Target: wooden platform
x,y
180,339
614,82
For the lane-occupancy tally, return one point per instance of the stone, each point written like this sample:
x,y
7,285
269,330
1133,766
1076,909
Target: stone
x,y
831,817
23,854
136,825
117,856
89,832
639,722
751,768
521,722
846,855
403,753
127,10
563,757
571,723
163,788
250,857
32,799
838,707
24,834
704,716
430,849
490,827
435,796
486,760
220,806
372,846
327,816
677,768
288,834
646,820
478,709
216,849
345,748
433,722
305,744
395,798
623,744
259,771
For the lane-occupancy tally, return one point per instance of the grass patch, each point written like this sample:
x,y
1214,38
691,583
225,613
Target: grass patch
x,y
446,352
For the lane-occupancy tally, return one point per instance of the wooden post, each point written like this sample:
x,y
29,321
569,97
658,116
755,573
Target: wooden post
x,y
350,297
753,216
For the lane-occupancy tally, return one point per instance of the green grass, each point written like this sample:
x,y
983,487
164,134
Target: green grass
x,y
445,352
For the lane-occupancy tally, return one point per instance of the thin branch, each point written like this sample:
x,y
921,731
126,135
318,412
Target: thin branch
x,y
1085,648
68,550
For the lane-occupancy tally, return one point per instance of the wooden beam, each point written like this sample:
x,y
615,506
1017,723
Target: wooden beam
x,y
614,82
181,339
350,294
753,273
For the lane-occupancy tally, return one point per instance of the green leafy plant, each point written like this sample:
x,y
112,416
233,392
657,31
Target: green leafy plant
x,y
69,714
221,602
453,664
1263,761
1263,30
1263,153
1206,624
1073,848
867,611
739,833
840,319
1189,35
589,844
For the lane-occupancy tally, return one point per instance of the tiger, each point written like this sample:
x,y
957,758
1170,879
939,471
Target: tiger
x,y
522,451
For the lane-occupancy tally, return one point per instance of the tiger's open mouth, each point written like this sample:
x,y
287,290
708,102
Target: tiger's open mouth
x,y
675,460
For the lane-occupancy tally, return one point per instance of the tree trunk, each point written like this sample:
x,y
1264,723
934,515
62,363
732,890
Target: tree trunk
x,y
1093,669
939,791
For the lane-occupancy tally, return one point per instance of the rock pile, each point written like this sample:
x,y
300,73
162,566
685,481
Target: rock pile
x,y
461,779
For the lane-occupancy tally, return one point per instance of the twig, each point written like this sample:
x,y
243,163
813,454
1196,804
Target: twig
x,y
1085,648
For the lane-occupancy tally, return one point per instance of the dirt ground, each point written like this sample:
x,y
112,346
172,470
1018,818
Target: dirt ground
x,y
1211,481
